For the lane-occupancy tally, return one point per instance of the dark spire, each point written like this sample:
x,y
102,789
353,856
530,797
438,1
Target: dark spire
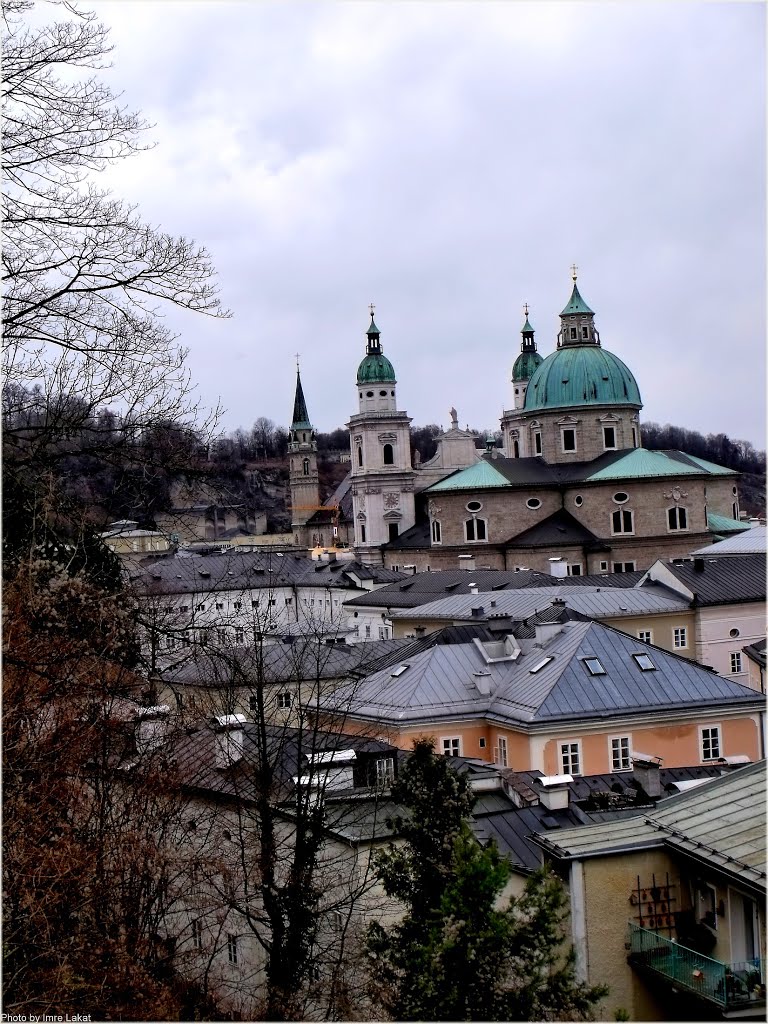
x,y
300,414
373,334
528,345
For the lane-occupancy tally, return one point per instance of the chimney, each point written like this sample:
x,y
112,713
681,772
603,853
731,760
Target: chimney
x,y
754,521
698,565
545,631
473,588
647,772
466,561
151,727
553,791
228,730
483,681
558,567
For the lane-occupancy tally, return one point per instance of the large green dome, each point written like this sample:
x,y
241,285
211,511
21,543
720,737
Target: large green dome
x,y
374,369
525,365
577,375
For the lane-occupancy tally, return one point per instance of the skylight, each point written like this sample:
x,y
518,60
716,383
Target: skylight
x,y
544,661
400,669
644,662
595,666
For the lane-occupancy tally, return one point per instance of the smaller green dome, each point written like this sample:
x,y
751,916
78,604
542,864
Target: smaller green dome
x,y
375,368
525,365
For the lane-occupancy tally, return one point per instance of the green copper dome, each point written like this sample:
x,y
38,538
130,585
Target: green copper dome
x,y
374,369
525,365
581,375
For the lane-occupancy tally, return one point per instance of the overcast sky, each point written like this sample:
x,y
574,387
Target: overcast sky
x,y
449,162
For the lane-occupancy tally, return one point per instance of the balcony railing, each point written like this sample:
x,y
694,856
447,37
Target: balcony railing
x,y
731,986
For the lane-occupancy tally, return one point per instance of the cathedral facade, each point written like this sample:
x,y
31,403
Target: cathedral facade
x,y
570,490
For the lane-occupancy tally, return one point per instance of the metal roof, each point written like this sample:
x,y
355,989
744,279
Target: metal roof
x,y
714,581
722,822
578,375
752,541
725,524
639,463
576,304
595,601
480,475
445,681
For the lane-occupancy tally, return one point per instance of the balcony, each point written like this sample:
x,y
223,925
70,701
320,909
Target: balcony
x,y
736,989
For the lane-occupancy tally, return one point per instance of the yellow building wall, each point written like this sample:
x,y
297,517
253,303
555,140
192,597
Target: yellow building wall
x,y
662,629
608,886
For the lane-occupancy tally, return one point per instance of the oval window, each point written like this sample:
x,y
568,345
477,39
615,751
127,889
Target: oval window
x,y
392,393
369,394
383,394
578,501
533,503
735,491
620,497
473,506
734,632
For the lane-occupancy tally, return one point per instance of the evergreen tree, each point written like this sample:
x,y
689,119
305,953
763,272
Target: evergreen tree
x,y
459,953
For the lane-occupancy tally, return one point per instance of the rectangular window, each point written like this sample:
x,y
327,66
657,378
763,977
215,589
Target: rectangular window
x,y
620,754
573,334
680,637
284,700
644,663
646,635
393,530
289,600
585,331
219,606
735,661
622,521
239,637
569,439
575,569
482,742
502,749
595,667
383,632
368,632
232,948
623,566
255,604
603,567
272,601
677,518
710,743
197,934
385,771
609,438
362,533
537,442
452,745
237,605
570,757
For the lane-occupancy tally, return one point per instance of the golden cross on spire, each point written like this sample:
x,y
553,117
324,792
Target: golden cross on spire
x,y
525,307
371,307
574,268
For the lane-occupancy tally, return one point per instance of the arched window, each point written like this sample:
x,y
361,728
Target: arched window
x,y
359,455
516,449
474,529
389,455
622,521
306,467
437,532
677,518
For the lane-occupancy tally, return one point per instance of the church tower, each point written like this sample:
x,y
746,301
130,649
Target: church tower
x,y
302,464
382,477
513,438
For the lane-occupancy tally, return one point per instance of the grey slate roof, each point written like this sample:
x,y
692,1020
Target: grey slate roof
x,y
561,528
444,682
425,587
733,580
722,823
235,570
596,602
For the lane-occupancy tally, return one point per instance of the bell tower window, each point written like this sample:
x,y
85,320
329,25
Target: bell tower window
x,y
359,455
516,449
394,531
537,442
437,532
609,438
306,467
585,332
389,455
573,334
